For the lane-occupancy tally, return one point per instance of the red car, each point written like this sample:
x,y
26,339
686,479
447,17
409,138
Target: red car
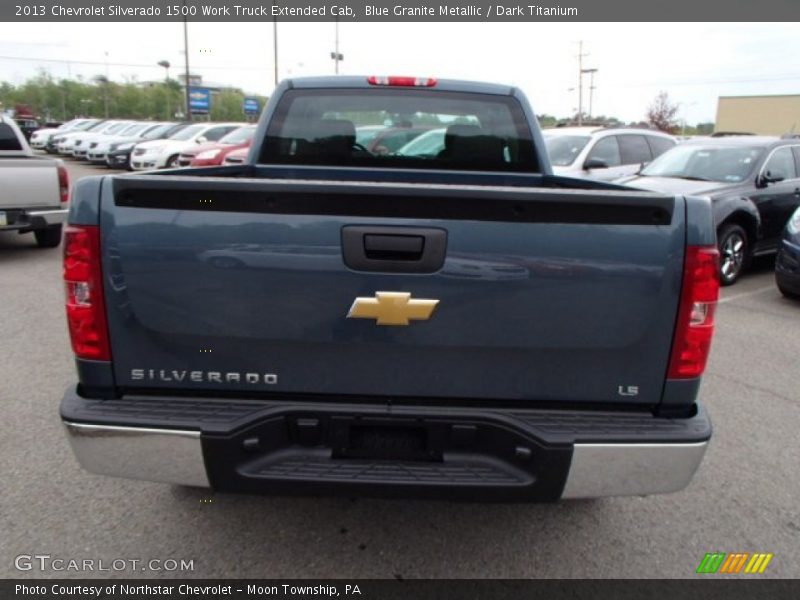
x,y
212,154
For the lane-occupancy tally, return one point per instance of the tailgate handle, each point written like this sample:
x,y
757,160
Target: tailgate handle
x,y
393,249
398,247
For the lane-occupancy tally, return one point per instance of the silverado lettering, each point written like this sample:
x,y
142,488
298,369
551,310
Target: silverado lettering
x,y
201,376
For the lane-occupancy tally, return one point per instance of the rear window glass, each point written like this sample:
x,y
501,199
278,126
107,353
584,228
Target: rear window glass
x,y
8,139
445,130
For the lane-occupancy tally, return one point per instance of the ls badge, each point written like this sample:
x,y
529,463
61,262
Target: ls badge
x,y
392,308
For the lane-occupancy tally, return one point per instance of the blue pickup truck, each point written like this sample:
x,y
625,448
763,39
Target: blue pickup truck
x,y
449,319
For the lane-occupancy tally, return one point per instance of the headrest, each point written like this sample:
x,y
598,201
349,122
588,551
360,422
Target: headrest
x,y
460,131
329,128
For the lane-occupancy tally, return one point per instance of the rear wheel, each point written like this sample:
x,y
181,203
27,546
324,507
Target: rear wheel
x,y
48,238
734,252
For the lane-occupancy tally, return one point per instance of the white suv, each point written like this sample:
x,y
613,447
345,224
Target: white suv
x,y
158,154
603,154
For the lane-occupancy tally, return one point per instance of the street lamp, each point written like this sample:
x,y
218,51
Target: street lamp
x,y
166,65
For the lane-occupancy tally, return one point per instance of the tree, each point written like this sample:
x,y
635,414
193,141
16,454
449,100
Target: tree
x,y
661,113
68,98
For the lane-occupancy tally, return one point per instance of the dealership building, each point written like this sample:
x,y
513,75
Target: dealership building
x,y
762,115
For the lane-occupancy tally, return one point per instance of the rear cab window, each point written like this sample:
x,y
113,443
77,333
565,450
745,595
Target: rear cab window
x,y
446,130
8,138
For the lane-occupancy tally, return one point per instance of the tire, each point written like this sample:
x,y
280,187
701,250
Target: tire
x,y
172,162
734,252
49,237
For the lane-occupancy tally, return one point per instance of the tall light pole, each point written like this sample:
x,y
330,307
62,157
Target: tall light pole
x,y
336,55
166,65
186,54
580,82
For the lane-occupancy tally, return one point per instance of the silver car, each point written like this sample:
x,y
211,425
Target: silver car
x,y
603,153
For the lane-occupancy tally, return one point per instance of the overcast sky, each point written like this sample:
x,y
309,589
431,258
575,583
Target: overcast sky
x,y
694,62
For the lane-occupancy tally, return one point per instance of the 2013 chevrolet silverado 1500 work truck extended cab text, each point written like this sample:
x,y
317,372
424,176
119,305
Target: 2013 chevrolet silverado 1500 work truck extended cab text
x,y
445,320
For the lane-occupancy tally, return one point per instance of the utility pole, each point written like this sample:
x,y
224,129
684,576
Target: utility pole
x,y
275,44
186,54
580,82
591,73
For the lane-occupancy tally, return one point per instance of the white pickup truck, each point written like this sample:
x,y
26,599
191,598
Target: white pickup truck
x,y
33,190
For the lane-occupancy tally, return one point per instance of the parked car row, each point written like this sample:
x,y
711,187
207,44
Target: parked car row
x,y
143,145
753,182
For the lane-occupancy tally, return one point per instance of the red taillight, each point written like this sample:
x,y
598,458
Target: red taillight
x,y
83,281
401,81
695,326
63,183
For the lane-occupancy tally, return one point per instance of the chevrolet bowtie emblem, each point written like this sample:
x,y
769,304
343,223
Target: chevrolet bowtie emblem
x,y
392,308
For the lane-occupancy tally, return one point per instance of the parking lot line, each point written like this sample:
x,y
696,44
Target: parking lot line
x,y
746,294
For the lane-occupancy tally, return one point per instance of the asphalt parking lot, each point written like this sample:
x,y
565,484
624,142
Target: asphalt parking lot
x,y
743,499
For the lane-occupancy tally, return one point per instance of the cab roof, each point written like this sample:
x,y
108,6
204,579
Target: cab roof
x,y
360,82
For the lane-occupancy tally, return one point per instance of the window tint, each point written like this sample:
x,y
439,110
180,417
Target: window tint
x,y
409,128
606,150
781,163
8,139
187,133
215,133
634,149
659,145
392,141
240,135
796,150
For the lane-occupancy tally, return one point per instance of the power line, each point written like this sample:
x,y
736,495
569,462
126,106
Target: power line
x,y
120,64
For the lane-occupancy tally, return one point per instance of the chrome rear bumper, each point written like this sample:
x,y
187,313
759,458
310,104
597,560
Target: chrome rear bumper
x,y
631,469
165,455
250,446
29,220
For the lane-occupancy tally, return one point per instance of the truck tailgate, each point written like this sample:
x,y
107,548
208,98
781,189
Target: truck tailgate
x,y
28,182
240,286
